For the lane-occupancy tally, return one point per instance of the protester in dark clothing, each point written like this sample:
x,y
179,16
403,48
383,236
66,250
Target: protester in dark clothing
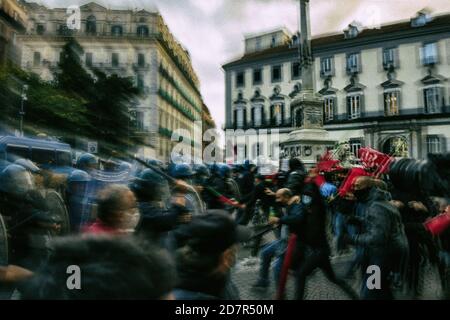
x,y
206,253
382,236
246,183
307,221
297,175
422,247
266,200
109,268
246,180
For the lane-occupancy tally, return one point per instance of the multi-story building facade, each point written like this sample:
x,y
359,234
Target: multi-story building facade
x,y
385,88
13,19
128,43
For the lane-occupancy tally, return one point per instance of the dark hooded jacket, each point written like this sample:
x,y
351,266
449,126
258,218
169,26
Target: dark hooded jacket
x,y
382,228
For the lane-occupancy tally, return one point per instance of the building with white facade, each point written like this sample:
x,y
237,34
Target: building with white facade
x,y
128,43
386,88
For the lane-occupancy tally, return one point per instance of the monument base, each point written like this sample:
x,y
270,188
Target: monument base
x,y
308,145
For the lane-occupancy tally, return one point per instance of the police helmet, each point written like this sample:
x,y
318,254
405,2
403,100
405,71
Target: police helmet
x,y
201,170
79,176
28,164
124,166
86,160
149,183
15,179
182,170
224,170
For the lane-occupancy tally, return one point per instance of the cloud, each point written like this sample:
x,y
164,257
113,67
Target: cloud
x,y
213,30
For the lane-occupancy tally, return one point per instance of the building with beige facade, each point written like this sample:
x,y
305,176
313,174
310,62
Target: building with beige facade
x,y
13,19
386,88
129,43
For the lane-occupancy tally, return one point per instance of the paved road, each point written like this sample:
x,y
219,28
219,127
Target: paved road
x,y
318,287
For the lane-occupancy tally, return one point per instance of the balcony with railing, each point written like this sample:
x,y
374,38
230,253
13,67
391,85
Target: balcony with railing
x,y
141,66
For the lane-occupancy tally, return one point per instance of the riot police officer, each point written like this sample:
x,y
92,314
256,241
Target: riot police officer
x,y
156,218
77,197
29,222
183,171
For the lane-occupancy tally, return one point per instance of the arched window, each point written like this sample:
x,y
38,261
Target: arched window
x,y
258,115
276,113
116,30
142,31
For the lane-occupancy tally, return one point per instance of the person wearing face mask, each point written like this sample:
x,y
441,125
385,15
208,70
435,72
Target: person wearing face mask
x,y
382,235
307,220
117,212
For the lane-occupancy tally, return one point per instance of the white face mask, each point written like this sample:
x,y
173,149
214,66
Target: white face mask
x,y
306,200
131,220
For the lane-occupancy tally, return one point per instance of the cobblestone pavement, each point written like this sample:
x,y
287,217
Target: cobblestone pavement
x,y
318,287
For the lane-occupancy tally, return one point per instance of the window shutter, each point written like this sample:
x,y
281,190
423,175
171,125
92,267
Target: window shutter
x,y
396,58
253,115
271,114
235,119
332,66
349,112
425,101
334,111
263,118
359,62
282,114
245,117
361,105
436,45
443,144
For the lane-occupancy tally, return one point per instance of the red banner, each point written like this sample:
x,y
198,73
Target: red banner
x,y
348,182
375,161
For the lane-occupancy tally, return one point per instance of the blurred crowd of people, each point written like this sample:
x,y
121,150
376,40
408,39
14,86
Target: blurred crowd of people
x,y
144,230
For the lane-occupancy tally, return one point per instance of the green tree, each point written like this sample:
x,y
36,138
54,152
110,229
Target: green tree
x,y
47,108
108,98
71,76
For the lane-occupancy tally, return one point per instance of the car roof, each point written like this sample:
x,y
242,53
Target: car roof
x,y
34,143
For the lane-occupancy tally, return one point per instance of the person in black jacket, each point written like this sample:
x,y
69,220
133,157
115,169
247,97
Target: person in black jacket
x,y
296,177
206,252
307,221
260,192
246,183
382,236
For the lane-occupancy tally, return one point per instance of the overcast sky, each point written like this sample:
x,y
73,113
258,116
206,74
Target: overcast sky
x,y
213,30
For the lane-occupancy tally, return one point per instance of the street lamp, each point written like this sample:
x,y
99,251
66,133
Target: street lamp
x,y
22,111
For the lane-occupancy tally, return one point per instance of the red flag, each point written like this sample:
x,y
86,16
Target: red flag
x,y
351,176
438,224
286,265
374,160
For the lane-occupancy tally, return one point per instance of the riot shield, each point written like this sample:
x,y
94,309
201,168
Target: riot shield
x,y
58,210
3,243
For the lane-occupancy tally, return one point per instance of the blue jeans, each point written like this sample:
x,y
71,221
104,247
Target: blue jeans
x,y
267,254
